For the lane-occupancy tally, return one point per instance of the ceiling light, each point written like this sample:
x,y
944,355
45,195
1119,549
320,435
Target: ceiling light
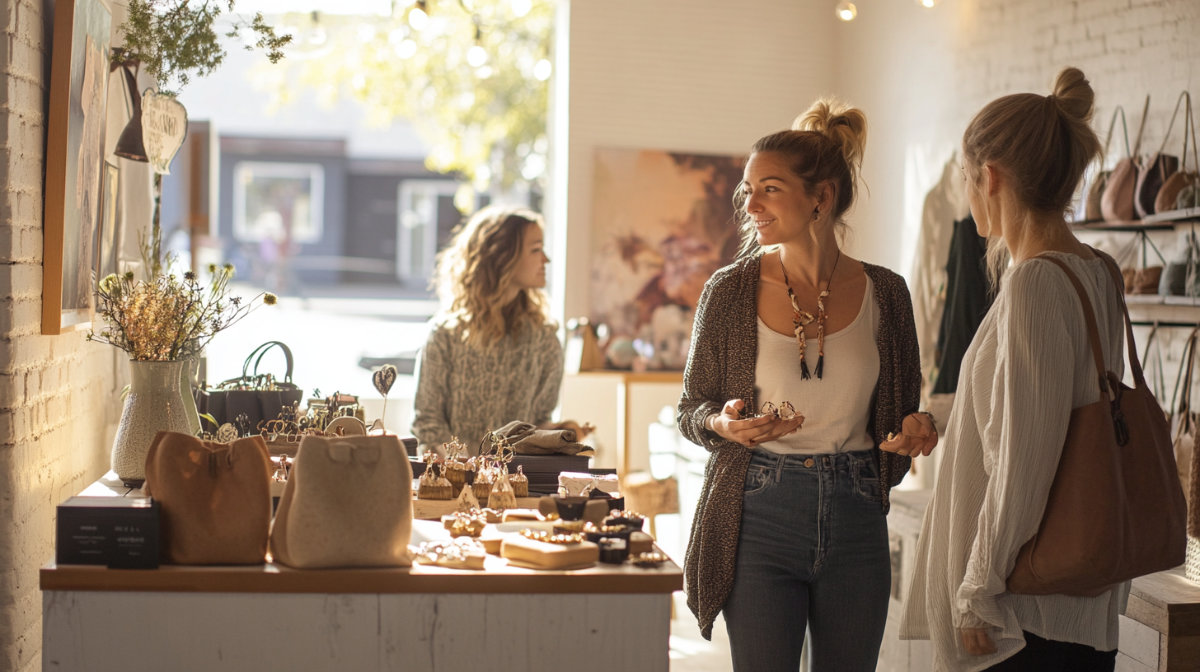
x,y
846,11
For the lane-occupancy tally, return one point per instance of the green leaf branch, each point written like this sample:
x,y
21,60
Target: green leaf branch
x,y
176,40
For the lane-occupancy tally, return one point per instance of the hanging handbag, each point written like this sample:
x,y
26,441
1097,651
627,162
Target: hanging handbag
x,y
1183,420
1156,382
254,396
1177,275
215,498
1147,277
347,503
1116,203
1157,168
1115,509
1092,211
1173,187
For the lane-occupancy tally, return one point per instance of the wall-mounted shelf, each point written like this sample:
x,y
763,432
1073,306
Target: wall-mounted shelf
x,y
1159,300
1135,225
1159,221
1174,216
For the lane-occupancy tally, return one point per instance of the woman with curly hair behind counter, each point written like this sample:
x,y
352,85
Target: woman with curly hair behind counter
x,y
493,354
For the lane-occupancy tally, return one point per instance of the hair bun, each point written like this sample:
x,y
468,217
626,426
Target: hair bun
x,y
1073,93
839,122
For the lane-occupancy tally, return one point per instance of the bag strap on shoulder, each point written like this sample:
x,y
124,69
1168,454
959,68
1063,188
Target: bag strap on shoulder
x,y
1089,315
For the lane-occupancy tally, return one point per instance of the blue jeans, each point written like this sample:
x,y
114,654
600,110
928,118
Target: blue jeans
x,y
813,553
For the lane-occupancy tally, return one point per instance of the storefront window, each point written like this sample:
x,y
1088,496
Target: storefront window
x,y
283,202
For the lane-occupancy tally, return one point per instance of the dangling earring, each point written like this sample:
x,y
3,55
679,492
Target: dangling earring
x,y
816,213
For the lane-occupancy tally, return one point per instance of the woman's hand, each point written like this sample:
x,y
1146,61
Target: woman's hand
x,y
917,436
976,641
751,431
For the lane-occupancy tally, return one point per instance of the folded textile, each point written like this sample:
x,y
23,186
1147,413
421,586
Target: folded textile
x,y
526,439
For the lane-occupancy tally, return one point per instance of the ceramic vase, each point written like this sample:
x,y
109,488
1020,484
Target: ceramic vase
x,y
187,376
154,404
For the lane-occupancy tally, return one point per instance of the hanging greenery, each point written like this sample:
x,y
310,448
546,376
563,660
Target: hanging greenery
x,y
176,40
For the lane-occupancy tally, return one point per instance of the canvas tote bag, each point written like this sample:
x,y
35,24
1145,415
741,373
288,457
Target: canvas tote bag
x,y
215,498
1115,510
347,503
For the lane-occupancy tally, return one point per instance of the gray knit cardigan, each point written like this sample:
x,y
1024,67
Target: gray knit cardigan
x,y
721,367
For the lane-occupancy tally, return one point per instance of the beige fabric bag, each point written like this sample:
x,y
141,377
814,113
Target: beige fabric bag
x,y
347,503
215,498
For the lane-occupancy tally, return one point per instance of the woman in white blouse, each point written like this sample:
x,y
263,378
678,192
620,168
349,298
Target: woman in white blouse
x,y
1027,367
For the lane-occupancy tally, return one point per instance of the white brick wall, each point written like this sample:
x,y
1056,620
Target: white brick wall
x,y
56,400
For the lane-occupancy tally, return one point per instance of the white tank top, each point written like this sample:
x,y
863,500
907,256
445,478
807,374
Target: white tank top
x,y
835,407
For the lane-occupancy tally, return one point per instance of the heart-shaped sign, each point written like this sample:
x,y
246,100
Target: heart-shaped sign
x,y
384,378
164,126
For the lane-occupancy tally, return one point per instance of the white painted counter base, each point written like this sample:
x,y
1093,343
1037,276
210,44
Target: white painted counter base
x,y
100,631
606,618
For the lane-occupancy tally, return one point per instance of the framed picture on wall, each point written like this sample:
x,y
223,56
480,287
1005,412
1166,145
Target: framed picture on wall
x,y
108,228
74,162
663,223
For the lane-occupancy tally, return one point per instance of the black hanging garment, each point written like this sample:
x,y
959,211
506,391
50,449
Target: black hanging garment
x,y
967,301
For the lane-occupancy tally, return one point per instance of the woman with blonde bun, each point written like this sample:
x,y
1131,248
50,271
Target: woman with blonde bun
x,y
493,354
1029,364
790,532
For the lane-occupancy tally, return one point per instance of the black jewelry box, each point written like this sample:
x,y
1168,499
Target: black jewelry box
x,y
117,532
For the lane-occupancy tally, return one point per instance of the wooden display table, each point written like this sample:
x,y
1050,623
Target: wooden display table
x,y
1160,631
266,617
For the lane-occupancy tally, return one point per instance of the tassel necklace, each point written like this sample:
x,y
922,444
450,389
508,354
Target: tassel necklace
x,y
803,318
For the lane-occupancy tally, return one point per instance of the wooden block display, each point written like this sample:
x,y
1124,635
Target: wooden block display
x,y
541,555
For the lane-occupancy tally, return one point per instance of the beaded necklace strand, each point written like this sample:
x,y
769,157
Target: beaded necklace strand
x,y
803,318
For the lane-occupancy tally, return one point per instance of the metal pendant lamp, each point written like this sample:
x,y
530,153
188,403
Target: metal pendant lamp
x,y
130,145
